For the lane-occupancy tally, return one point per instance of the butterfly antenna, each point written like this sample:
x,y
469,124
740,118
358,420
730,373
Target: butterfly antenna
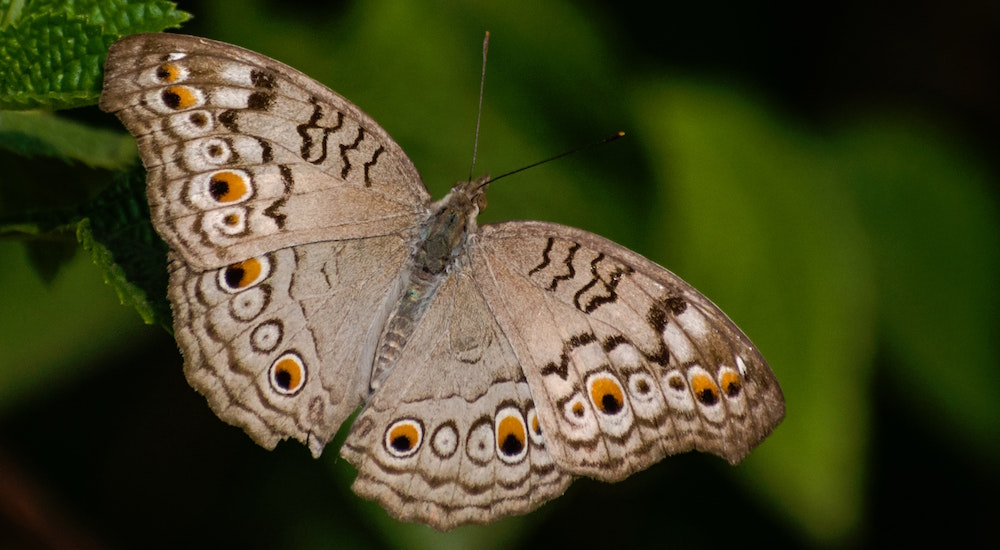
x,y
608,139
479,111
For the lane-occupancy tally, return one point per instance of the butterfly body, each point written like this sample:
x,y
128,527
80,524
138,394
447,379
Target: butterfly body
x,y
437,247
310,273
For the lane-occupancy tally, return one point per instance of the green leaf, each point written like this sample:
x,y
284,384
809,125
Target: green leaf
x,y
53,52
120,17
120,238
41,134
52,60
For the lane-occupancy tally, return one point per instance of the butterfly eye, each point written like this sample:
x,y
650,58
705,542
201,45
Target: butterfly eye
x,y
511,436
403,437
606,394
288,374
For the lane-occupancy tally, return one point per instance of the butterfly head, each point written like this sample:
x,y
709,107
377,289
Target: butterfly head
x,y
466,200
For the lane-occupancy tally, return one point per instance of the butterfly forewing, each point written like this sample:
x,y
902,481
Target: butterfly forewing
x,y
246,155
627,362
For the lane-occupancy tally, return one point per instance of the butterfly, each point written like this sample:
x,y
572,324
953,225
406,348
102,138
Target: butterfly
x,y
310,274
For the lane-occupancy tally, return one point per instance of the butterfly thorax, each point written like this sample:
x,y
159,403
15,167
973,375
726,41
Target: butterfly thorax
x,y
435,251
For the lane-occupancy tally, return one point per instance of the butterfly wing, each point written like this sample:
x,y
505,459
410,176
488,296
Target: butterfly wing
x,y
452,436
281,344
626,362
246,155
288,213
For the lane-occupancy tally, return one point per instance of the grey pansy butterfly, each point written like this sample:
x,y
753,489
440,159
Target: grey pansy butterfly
x,y
310,273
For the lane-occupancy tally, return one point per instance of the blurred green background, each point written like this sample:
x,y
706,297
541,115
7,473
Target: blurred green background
x,y
826,174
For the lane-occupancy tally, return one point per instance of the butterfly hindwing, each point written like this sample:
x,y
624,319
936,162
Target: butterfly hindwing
x,y
263,339
451,436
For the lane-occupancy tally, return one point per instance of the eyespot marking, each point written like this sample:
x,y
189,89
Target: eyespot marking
x,y
267,336
479,443
287,374
179,98
403,437
511,435
224,222
228,186
704,388
730,383
576,409
198,119
170,73
444,441
675,390
606,393
245,274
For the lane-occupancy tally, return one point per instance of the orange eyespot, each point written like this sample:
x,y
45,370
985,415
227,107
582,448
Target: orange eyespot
x,y
511,435
578,409
403,437
168,72
704,389
606,394
179,98
227,186
243,274
536,428
731,383
288,374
